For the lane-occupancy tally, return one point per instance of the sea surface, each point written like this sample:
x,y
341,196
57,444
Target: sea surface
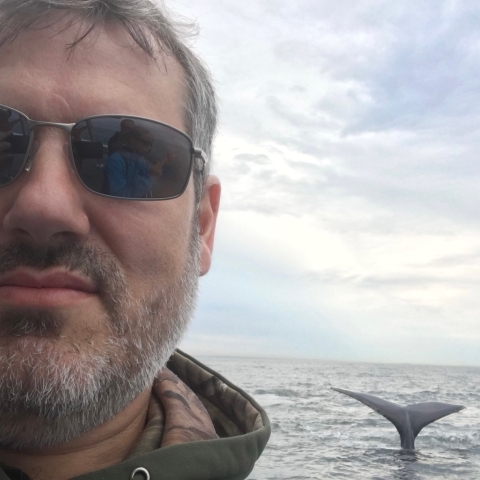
x,y
318,433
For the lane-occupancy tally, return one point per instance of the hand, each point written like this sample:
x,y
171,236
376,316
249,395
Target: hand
x,y
156,169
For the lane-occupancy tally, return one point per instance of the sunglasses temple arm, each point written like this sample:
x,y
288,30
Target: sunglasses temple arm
x,y
200,154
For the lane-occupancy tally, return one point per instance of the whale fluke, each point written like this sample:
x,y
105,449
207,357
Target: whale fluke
x,y
408,420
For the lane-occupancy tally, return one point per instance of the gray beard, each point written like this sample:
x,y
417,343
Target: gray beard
x,y
46,401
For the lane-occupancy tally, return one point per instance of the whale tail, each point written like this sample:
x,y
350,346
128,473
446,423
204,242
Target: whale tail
x,y
408,420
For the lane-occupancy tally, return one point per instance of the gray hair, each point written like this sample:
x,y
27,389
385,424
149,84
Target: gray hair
x,y
150,26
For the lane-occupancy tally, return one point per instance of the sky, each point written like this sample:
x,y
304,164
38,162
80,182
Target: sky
x,y
348,150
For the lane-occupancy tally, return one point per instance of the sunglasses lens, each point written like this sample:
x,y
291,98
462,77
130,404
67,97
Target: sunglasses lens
x,y
131,157
14,140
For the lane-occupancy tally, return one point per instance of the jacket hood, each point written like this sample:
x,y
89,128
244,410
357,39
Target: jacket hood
x,y
241,424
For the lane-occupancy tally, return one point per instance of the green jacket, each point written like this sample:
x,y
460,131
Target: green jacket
x,y
241,424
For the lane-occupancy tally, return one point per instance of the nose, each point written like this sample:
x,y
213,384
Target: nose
x,y
45,203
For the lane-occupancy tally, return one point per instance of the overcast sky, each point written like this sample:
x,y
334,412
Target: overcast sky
x,y
349,151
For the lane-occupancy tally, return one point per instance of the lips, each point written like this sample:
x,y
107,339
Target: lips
x,y
54,287
54,279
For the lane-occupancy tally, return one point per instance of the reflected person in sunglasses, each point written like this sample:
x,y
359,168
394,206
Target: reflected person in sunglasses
x,y
97,287
117,141
127,172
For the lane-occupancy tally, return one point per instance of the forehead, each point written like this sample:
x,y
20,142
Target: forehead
x,y
105,73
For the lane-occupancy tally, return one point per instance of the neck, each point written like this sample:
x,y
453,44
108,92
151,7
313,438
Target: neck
x,y
99,448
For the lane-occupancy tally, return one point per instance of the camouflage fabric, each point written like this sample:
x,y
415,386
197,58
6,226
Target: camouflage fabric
x,y
175,415
232,414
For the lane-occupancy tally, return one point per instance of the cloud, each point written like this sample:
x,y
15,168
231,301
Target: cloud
x,y
348,149
379,282
252,158
460,260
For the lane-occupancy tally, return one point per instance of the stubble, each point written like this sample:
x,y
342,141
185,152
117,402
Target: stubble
x,y
50,395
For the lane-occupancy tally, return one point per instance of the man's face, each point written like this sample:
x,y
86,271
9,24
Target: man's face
x,y
116,272
140,140
126,125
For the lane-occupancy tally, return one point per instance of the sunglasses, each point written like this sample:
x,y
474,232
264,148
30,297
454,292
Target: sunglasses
x,y
119,156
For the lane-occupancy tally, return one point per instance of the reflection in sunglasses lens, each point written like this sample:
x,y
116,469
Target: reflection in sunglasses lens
x,y
131,157
14,141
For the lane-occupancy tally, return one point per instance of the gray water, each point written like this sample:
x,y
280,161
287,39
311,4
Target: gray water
x,y
321,434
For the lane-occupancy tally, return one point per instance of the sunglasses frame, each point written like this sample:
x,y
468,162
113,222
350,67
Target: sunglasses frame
x,y
196,153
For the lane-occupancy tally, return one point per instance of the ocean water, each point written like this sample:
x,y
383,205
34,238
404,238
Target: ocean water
x,y
318,433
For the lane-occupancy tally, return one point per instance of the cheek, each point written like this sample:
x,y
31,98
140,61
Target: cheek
x,y
150,241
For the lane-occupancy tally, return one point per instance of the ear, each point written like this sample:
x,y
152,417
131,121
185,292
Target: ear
x,y
207,219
